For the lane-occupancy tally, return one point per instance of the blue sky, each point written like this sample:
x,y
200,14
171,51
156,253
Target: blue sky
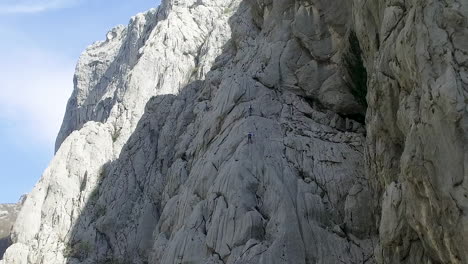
x,y
41,41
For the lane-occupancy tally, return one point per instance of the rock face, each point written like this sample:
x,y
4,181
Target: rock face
x,y
222,132
417,57
8,214
158,53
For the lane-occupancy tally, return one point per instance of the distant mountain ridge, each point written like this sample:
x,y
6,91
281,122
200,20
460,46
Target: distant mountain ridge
x,y
8,214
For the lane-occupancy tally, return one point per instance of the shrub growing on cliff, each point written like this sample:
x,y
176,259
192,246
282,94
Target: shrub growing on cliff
x,y
79,250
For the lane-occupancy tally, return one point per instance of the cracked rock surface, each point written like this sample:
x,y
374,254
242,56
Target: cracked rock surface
x,y
157,53
417,124
190,187
232,132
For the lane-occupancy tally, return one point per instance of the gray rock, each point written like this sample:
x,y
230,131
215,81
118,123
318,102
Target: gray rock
x,y
232,132
417,126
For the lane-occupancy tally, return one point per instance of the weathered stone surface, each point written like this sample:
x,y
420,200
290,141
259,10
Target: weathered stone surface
x,y
189,187
417,126
232,132
157,53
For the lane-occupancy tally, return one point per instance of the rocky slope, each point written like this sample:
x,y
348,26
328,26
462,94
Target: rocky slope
x,y
8,214
217,131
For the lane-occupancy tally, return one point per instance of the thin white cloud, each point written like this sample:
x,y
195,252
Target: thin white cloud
x,y
33,6
34,88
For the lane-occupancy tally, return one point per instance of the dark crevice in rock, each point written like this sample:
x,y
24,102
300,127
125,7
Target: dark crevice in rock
x,y
4,244
354,64
360,118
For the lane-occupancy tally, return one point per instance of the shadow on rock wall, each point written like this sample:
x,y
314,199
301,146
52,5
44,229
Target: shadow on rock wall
x,y
238,168
4,244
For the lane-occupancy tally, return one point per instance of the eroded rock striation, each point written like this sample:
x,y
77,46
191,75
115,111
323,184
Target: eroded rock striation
x,y
266,131
416,55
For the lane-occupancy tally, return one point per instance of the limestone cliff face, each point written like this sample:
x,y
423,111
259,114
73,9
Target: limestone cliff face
x,y
417,57
217,131
157,53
